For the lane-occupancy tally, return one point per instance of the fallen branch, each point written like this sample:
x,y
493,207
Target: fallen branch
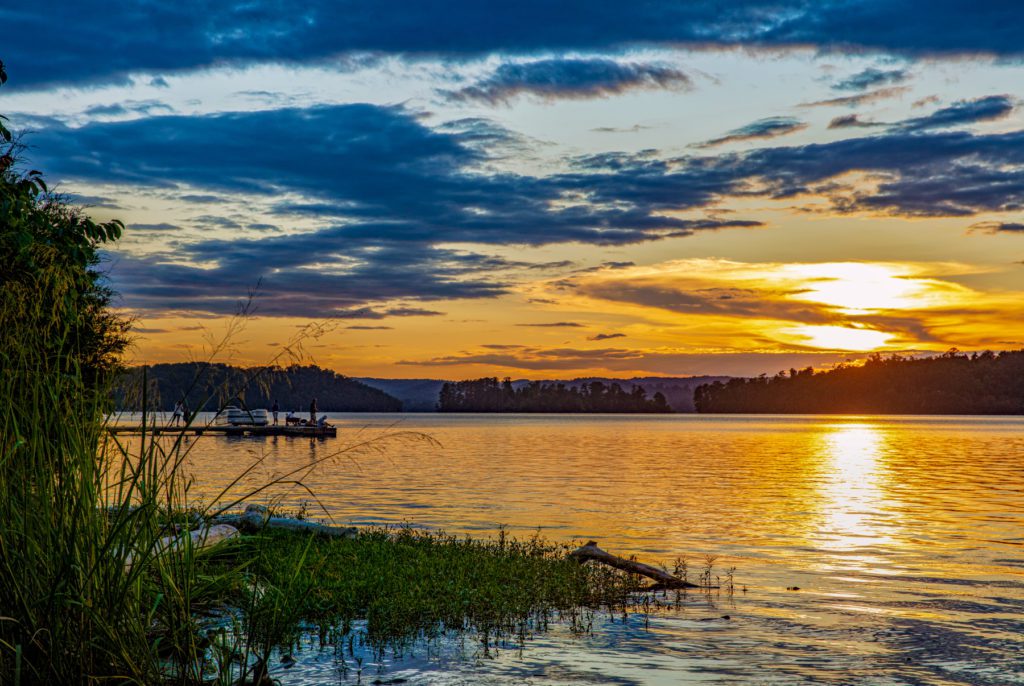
x,y
194,540
590,551
256,518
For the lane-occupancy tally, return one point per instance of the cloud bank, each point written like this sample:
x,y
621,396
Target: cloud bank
x,y
336,30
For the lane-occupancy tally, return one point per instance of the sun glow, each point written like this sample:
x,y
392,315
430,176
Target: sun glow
x,y
837,337
856,288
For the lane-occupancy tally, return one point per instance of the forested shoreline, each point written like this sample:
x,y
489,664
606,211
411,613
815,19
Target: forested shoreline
x,y
490,395
209,386
952,383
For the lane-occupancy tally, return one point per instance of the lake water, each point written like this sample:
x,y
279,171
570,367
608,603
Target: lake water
x,y
905,536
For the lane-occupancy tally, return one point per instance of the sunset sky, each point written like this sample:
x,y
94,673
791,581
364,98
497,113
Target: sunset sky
x,y
539,189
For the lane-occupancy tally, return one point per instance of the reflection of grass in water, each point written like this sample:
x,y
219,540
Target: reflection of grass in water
x,y
396,591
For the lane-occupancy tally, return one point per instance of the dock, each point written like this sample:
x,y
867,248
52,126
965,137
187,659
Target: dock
x,y
230,430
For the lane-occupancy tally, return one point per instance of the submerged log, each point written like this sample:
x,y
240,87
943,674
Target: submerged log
x,y
257,517
590,551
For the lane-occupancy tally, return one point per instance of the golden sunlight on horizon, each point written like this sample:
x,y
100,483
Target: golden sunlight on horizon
x,y
852,306
673,318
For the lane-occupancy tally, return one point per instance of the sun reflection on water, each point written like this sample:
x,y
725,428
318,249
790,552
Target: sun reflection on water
x,y
852,498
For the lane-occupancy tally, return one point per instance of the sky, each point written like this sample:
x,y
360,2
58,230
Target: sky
x,y
457,189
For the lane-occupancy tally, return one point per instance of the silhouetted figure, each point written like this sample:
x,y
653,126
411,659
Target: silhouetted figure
x,y
312,412
176,417
185,413
275,409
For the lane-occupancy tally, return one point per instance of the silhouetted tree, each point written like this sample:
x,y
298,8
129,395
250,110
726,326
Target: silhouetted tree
x,y
52,295
206,387
488,395
951,383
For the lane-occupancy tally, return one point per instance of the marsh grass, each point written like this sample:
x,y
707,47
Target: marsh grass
x,y
406,582
88,596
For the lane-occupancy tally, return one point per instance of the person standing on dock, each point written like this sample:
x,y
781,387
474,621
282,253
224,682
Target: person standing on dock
x,y
176,417
312,412
275,409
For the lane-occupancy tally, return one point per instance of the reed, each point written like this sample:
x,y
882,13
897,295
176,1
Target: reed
x,y
87,596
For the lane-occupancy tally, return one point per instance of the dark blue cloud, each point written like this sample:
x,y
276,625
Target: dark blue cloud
x,y
108,41
291,287
870,78
918,173
378,168
387,177
963,112
390,191
860,98
953,173
771,127
261,152
556,325
902,26
90,201
998,227
129,107
851,121
554,79
161,226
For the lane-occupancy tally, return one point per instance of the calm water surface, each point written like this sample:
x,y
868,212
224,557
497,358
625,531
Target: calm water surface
x,y
905,536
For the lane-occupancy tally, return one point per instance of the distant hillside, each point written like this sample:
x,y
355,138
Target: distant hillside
x,y
982,383
292,387
417,395
421,395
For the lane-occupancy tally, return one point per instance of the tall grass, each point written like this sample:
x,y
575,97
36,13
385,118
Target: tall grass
x,y
87,592
59,566
81,583
87,595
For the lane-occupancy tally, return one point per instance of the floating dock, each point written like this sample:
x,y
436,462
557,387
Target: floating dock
x,y
230,430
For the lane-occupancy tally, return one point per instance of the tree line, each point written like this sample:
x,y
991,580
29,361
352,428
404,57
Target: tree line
x,y
211,386
952,383
490,395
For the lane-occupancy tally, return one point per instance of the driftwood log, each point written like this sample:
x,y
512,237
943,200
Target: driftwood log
x,y
590,551
194,540
256,518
